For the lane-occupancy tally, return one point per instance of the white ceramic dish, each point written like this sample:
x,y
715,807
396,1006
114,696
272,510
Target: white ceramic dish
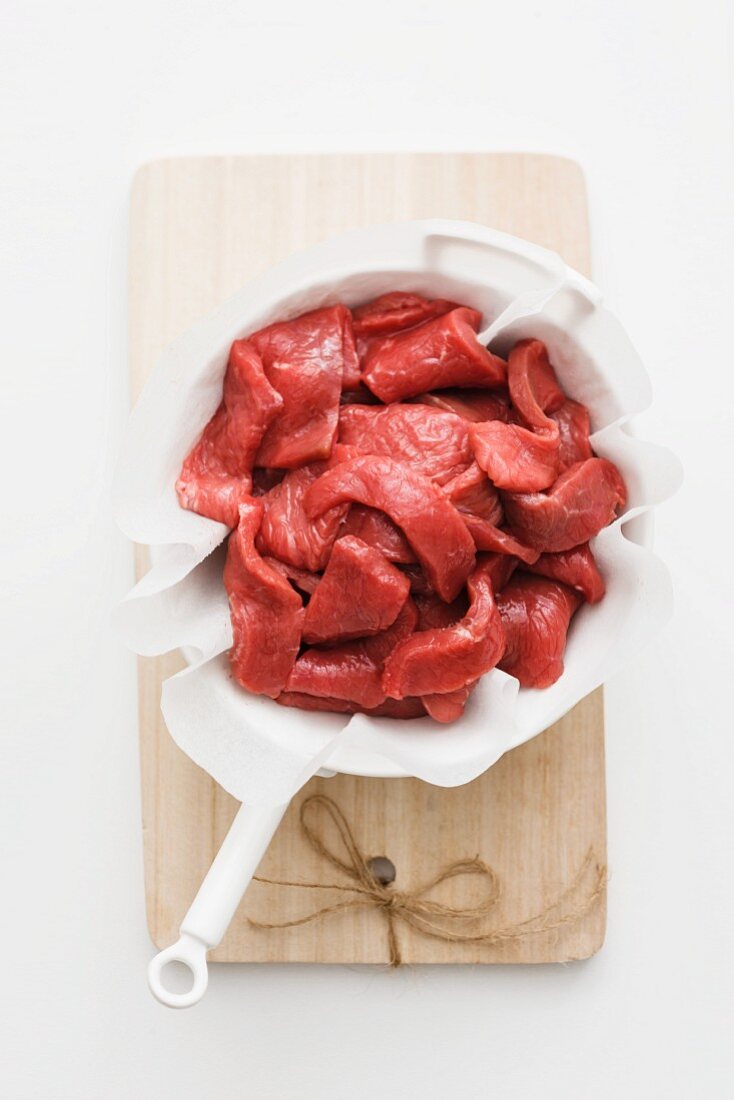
x,y
246,741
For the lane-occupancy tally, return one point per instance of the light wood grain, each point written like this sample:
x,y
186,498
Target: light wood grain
x,y
200,228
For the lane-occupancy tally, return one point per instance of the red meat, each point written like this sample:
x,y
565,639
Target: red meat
x,y
361,593
574,428
576,568
472,405
499,568
288,533
379,531
352,670
393,312
300,578
535,614
584,499
351,371
487,536
523,457
331,486
514,457
430,441
265,478
418,582
431,524
389,708
434,614
532,382
450,658
449,706
267,615
306,360
217,474
360,395
443,352
472,492
398,708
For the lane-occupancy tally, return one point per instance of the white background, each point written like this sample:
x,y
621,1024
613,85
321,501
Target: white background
x,y
640,93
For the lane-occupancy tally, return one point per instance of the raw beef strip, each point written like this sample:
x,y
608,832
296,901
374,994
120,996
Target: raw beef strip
x,y
360,395
499,568
300,578
352,670
532,382
393,312
535,614
434,614
267,615
351,371
576,568
390,708
377,530
360,594
440,353
487,536
430,441
431,524
217,474
418,581
514,457
288,533
398,708
265,478
523,457
303,701
472,405
574,427
450,658
472,492
306,360
584,499
448,706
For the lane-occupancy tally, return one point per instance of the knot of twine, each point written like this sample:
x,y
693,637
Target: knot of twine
x,y
426,916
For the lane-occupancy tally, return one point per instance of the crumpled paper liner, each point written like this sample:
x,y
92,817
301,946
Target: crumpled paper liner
x,y
261,752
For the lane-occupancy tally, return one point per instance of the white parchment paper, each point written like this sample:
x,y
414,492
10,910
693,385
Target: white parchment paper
x,y
261,752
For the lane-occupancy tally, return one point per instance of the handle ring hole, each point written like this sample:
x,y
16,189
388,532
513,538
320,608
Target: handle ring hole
x,y
176,976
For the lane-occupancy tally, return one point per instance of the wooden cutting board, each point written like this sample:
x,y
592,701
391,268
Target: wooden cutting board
x,y
200,228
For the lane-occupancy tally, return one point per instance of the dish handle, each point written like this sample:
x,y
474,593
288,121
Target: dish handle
x,y
212,909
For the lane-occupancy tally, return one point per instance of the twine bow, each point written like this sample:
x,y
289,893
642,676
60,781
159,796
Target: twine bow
x,y
426,916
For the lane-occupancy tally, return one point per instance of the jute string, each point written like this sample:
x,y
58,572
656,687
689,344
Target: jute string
x,y
430,918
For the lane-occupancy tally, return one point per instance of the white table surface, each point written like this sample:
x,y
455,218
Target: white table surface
x,y
640,93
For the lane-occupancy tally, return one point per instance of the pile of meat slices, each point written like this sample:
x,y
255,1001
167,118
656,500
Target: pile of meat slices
x,y
408,509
